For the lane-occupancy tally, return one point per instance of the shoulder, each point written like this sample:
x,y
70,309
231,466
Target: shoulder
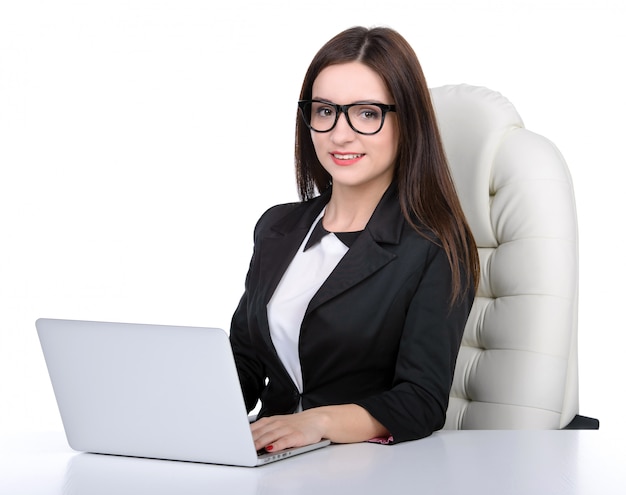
x,y
419,248
286,215
276,213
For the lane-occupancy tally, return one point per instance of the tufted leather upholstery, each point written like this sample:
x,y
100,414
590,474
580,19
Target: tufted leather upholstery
x,y
517,367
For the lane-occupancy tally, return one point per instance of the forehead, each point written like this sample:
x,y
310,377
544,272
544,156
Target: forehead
x,y
348,83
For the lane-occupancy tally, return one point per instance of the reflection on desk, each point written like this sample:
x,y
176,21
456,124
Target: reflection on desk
x,y
502,462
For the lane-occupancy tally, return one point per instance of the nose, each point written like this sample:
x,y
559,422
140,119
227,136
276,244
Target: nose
x,y
342,132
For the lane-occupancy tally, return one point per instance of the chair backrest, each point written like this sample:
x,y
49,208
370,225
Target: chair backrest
x,y
518,364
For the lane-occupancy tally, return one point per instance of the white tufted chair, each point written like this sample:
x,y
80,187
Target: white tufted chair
x,y
518,364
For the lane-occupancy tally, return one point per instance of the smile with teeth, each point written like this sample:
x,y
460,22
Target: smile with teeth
x,y
351,156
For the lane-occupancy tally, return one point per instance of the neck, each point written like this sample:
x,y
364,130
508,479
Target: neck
x,y
349,209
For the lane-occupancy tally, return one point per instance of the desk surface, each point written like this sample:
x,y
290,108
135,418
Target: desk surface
x,y
449,462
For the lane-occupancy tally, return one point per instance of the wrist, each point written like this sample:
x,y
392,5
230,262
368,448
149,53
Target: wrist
x,y
346,423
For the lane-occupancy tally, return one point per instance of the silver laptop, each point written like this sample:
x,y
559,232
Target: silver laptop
x,y
164,392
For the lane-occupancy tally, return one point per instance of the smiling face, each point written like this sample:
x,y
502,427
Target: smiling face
x,y
355,160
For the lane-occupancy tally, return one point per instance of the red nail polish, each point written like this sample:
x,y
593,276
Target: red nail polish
x,y
269,448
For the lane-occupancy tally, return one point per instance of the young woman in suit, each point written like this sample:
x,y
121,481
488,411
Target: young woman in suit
x,y
357,296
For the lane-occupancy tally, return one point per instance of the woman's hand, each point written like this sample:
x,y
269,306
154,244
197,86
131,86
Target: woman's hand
x,y
341,424
293,430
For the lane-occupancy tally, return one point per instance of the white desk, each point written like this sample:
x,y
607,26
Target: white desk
x,y
449,462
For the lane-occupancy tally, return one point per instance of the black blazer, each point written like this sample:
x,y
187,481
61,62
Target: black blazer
x,y
380,332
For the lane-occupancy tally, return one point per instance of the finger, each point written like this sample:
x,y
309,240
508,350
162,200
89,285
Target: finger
x,y
282,438
278,438
267,433
281,432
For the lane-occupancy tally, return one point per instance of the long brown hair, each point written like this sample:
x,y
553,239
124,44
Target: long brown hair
x,y
426,191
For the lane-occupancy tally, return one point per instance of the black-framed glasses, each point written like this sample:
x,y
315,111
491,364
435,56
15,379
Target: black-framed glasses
x,y
363,117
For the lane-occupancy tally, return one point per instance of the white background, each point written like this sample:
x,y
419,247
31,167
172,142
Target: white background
x,y
141,139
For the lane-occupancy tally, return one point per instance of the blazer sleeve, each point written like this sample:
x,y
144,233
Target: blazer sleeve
x,y
416,404
250,367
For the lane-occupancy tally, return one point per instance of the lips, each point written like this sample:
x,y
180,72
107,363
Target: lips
x,y
346,158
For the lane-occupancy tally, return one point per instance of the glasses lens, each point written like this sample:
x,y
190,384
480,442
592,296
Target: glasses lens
x,y
367,119
320,116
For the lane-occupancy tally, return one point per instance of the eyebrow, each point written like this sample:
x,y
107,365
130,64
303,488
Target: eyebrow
x,y
326,100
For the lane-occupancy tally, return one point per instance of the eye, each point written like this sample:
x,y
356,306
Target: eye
x,y
369,113
323,111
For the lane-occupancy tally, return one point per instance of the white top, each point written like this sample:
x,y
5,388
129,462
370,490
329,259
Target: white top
x,y
304,276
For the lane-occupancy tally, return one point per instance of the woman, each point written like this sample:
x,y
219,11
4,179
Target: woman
x,y
356,297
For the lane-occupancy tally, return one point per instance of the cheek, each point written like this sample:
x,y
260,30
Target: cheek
x,y
393,143
389,148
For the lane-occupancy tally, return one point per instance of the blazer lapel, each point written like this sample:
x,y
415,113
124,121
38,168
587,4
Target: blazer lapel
x,y
364,258
368,254
276,250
